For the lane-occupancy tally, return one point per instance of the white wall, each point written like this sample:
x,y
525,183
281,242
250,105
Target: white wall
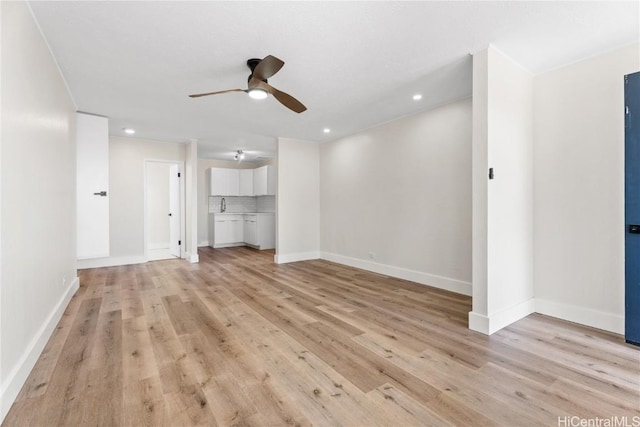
x,y
503,207
204,190
298,201
397,198
579,189
38,267
126,199
158,204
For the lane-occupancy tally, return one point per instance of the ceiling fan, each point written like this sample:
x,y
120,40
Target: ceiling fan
x,y
258,88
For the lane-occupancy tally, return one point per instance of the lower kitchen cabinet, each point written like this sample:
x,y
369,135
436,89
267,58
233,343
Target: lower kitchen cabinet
x,y
250,230
256,230
266,230
227,229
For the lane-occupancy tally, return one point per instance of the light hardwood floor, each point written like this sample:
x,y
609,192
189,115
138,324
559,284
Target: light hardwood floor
x,y
238,340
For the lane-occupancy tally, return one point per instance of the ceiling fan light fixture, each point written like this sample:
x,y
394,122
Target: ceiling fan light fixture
x,y
259,88
257,93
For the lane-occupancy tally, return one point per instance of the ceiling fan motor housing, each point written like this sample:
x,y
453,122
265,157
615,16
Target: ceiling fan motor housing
x,y
252,64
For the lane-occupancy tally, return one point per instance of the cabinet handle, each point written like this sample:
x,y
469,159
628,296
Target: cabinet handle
x,y
101,194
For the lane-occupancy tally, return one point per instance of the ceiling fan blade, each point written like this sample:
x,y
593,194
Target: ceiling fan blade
x,y
267,67
197,95
287,100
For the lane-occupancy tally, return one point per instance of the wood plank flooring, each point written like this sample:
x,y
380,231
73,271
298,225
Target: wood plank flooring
x,y
237,340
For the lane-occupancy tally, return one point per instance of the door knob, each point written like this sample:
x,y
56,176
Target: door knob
x,y
169,214
634,229
101,193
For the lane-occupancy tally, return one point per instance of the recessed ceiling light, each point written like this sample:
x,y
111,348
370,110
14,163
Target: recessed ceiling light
x,y
129,131
326,130
417,97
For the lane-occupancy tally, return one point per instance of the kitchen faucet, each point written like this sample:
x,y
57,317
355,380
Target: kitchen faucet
x,y
223,205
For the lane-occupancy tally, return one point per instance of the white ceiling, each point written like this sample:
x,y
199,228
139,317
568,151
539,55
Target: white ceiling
x,y
353,64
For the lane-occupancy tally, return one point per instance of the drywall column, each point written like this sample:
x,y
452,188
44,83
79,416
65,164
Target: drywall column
x,y
503,206
298,201
191,184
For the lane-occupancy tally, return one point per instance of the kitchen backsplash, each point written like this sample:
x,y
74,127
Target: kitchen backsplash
x,y
243,204
266,203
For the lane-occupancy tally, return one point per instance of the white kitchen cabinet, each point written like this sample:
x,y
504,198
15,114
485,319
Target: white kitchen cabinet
x,y
250,230
264,181
272,180
246,182
218,178
227,229
266,230
256,230
233,182
225,182
236,228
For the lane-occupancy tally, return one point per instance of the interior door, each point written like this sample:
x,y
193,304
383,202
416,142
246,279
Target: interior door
x,y
174,211
92,186
632,207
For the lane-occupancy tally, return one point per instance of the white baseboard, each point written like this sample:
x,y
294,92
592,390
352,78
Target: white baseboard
x,y
479,322
585,316
110,261
192,258
228,245
420,277
502,318
203,244
158,246
300,256
18,376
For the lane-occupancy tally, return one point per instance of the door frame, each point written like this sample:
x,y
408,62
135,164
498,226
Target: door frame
x,y
181,190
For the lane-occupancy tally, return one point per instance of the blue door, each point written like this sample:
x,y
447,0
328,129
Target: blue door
x,y
632,207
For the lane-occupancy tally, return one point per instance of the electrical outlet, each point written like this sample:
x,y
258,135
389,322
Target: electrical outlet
x,y
372,255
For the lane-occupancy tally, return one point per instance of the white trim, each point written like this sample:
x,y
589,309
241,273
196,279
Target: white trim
x,y
228,245
505,317
585,316
300,256
479,322
111,261
19,374
441,282
55,61
501,318
158,246
191,258
203,244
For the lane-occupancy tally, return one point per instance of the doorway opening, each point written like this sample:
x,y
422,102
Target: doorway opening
x,y
164,210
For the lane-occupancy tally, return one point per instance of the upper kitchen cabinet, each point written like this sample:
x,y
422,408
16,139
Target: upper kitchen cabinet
x,y
246,182
225,182
264,181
